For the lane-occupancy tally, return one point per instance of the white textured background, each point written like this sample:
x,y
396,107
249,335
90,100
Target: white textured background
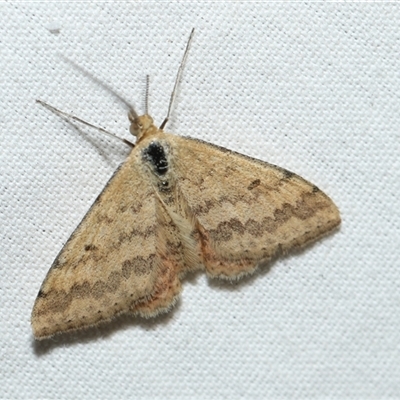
x,y
314,88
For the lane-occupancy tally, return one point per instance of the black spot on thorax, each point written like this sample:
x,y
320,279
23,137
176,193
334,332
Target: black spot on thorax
x,y
155,155
164,187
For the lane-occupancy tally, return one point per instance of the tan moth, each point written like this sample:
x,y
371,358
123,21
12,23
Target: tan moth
x,y
175,205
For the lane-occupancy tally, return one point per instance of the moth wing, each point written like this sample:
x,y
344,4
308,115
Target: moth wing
x,y
116,261
246,211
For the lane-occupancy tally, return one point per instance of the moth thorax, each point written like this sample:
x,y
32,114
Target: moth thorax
x,y
141,126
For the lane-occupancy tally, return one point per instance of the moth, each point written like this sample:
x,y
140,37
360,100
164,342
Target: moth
x,y
175,205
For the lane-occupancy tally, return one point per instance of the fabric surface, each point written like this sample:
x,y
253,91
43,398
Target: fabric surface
x,y
314,88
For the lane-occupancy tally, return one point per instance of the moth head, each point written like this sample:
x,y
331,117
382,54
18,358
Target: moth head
x,y
141,125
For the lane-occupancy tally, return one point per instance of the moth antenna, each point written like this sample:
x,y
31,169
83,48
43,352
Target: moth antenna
x,y
109,89
146,95
66,115
177,79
